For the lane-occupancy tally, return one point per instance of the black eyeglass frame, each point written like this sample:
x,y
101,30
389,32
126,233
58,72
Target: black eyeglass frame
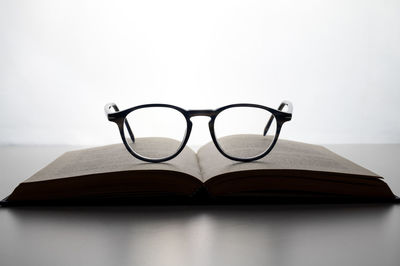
x,y
113,114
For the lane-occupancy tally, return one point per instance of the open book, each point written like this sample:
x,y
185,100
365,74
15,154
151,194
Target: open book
x,y
293,172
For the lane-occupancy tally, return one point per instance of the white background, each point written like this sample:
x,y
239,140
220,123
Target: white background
x,y
61,61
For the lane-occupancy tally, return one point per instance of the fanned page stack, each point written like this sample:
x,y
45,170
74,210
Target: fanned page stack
x,y
292,172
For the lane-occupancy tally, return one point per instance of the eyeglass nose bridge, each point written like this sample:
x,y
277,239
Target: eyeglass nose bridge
x,y
204,112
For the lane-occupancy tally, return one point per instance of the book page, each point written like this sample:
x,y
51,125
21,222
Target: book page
x,y
114,158
286,155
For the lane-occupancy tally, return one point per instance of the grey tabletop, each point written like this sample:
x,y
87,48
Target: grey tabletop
x,y
330,234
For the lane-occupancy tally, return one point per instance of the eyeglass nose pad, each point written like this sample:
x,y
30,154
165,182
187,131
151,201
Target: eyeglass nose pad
x,y
211,127
188,130
189,127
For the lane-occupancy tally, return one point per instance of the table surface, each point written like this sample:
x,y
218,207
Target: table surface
x,y
331,234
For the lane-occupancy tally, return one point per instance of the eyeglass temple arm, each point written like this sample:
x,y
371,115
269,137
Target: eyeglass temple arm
x,y
280,108
108,110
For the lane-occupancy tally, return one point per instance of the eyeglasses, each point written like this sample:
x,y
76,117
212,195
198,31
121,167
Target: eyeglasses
x,y
159,132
